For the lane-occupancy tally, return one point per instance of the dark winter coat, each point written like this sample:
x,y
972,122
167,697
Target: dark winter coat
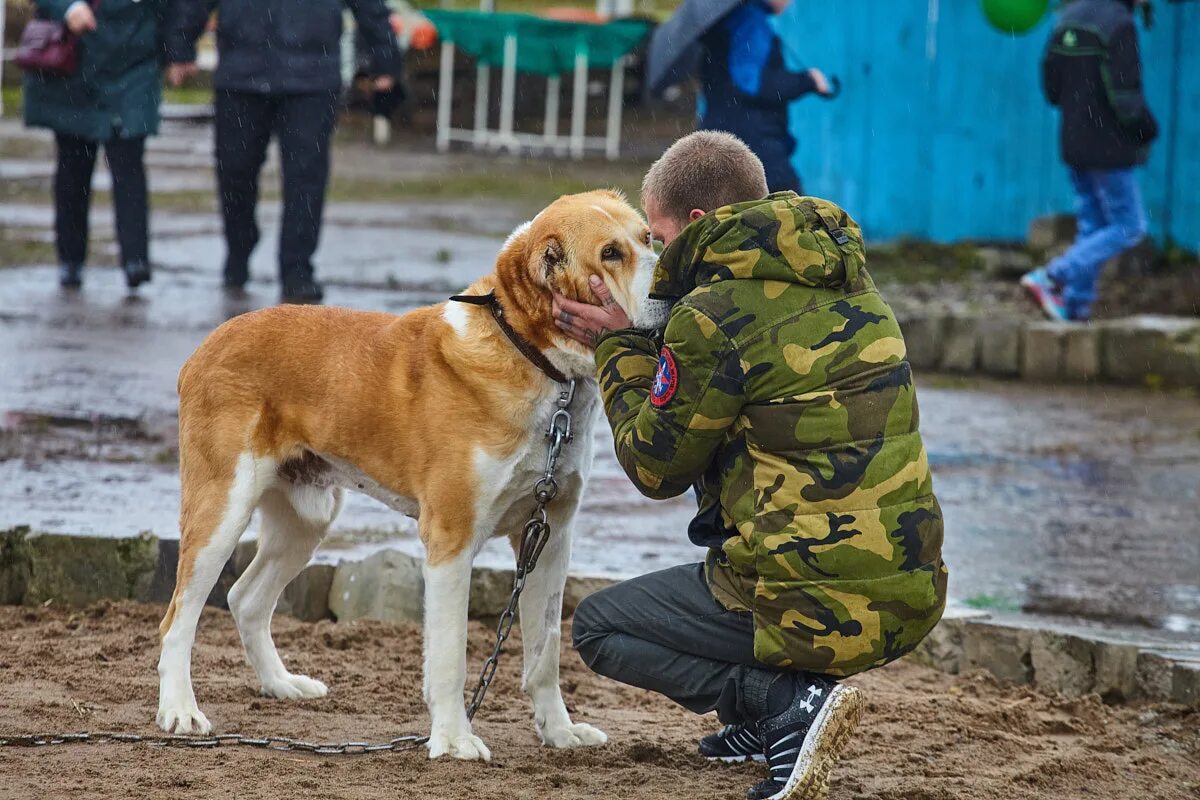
x,y
281,46
747,89
117,87
1092,71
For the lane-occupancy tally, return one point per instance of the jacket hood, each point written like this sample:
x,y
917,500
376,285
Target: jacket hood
x,y
782,237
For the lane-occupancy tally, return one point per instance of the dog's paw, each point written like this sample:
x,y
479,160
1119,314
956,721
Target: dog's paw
x,y
465,746
577,734
183,719
294,687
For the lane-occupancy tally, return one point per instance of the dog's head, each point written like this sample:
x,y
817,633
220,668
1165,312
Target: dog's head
x,y
580,235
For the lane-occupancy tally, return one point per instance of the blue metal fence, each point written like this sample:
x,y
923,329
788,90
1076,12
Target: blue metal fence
x,y
942,132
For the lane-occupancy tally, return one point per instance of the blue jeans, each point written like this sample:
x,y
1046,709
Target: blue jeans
x,y
1111,220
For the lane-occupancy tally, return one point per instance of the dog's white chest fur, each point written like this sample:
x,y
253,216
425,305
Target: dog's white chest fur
x,y
499,483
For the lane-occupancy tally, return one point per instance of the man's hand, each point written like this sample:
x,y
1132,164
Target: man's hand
x,y
178,73
384,83
80,19
822,83
586,323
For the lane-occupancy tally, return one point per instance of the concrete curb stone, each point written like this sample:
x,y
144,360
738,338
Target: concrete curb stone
x,y
1081,353
387,585
960,349
77,570
1002,650
14,565
1000,346
923,340
1152,350
1042,354
1147,350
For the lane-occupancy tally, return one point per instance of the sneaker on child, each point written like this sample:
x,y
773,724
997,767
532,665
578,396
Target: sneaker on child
x,y
1045,293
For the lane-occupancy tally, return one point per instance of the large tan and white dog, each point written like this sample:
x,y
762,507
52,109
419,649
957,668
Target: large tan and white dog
x,y
437,414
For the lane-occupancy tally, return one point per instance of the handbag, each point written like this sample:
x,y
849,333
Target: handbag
x,y
48,47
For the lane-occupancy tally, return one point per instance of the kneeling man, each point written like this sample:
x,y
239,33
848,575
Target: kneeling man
x,y
778,387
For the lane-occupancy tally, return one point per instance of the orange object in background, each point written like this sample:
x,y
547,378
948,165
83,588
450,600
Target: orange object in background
x,y
569,14
422,35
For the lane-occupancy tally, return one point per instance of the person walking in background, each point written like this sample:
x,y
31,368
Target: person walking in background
x,y
278,73
111,100
1092,72
747,88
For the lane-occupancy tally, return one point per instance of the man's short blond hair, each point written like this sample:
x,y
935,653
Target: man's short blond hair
x,y
704,170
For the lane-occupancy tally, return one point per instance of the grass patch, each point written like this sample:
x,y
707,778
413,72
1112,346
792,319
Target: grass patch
x,y
521,185
912,261
18,251
992,602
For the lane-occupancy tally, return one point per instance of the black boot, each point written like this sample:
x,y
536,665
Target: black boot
x,y
805,738
304,291
137,273
70,276
236,273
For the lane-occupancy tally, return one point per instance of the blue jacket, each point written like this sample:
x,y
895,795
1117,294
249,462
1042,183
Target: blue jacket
x,y
281,46
747,89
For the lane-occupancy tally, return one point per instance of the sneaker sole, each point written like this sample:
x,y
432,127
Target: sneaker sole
x,y
735,759
824,743
1038,295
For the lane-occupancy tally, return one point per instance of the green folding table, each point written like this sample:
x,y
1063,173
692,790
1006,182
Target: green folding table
x,y
537,46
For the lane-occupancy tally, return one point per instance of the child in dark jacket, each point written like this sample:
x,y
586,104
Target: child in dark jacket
x,y
1092,72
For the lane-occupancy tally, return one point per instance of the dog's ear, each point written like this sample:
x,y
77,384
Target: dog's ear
x,y
553,259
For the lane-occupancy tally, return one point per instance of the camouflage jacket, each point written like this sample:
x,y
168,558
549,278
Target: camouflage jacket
x,y
782,390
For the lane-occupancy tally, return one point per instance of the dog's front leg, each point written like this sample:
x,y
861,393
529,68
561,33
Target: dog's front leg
x,y
447,589
541,620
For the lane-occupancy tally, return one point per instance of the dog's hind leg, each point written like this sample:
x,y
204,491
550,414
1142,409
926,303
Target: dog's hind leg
x,y
541,630
447,590
216,507
294,520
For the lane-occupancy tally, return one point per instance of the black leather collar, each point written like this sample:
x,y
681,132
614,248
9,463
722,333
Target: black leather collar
x,y
531,353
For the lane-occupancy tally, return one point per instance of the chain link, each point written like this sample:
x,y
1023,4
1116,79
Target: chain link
x,y
279,743
533,540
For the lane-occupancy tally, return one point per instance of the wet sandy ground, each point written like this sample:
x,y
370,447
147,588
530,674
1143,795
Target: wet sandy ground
x,y
926,736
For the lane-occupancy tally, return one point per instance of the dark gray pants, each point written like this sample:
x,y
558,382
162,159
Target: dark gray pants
x,y
303,124
665,632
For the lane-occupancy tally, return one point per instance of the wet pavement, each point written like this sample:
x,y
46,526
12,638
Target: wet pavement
x,y
1067,501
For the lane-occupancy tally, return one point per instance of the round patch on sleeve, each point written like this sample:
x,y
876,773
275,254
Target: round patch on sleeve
x,y
666,380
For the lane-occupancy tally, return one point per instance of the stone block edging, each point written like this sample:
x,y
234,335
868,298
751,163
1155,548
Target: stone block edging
x,y
1146,350
1060,658
39,568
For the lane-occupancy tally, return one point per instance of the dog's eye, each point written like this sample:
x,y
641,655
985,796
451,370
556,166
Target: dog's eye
x,y
649,239
610,253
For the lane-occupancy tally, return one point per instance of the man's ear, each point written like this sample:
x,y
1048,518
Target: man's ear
x,y
695,214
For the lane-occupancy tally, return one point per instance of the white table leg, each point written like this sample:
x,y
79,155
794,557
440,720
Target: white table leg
x,y
445,89
550,127
616,104
483,81
579,103
508,92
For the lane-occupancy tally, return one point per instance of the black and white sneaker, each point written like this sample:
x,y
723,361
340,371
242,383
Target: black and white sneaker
x,y
803,742
733,744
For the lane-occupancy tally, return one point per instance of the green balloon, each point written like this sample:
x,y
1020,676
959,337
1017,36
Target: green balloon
x,y
1015,16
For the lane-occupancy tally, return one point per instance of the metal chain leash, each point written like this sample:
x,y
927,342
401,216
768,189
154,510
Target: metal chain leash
x,y
533,540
